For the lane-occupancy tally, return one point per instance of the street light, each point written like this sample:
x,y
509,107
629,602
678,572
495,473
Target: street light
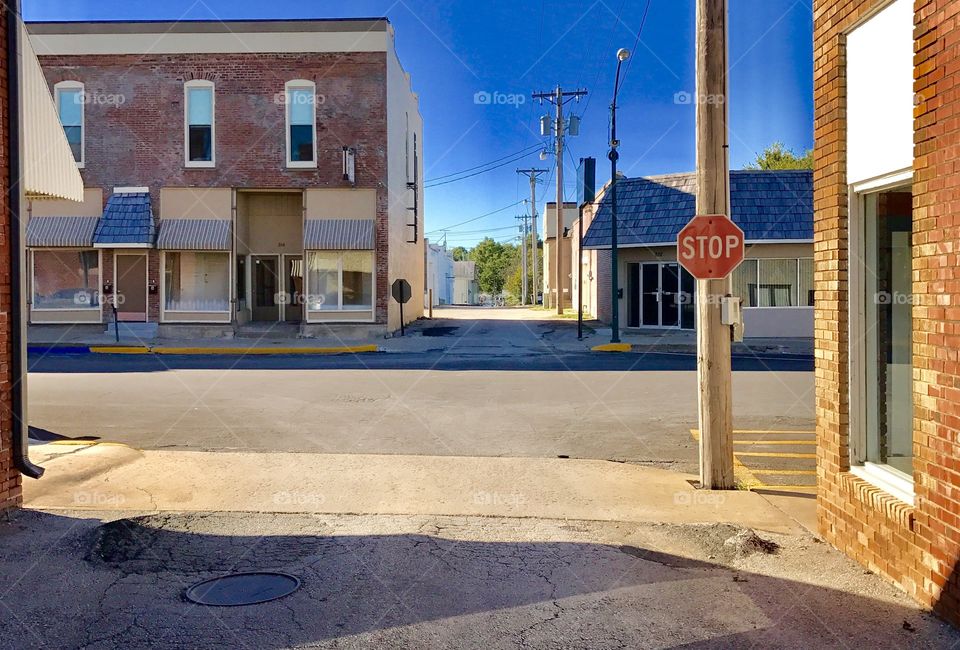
x,y
622,55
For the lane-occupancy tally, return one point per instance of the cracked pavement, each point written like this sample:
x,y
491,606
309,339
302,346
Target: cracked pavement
x,y
96,581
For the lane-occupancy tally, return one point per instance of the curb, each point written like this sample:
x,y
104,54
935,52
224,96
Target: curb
x,y
612,347
237,351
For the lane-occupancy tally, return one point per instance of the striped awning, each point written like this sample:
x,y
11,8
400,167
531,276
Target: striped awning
x,y
194,234
338,234
56,232
48,170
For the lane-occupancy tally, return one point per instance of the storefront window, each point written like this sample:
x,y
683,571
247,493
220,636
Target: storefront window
x,y
196,282
888,327
66,279
340,280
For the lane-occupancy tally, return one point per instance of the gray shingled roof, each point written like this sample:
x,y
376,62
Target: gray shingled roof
x,y
127,219
768,205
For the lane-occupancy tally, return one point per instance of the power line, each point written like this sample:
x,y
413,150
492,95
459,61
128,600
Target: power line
x,y
643,21
528,149
462,223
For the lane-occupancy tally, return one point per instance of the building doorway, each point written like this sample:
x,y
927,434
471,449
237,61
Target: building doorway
x,y
277,288
660,294
130,271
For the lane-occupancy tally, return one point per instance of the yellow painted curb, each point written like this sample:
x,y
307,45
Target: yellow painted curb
x,y
119,349
355,349
612,347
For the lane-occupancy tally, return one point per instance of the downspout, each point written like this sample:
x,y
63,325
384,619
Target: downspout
x,y
18,375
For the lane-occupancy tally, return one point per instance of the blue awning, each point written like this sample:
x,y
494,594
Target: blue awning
x,y
127,221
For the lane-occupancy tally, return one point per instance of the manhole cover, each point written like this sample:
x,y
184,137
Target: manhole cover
x,y
242,589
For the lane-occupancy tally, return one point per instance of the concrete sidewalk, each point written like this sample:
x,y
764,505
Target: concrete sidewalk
x,y
92,475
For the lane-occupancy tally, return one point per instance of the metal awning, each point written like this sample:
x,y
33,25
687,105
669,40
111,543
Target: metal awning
x,y
57,232
47,167
194,234
338,234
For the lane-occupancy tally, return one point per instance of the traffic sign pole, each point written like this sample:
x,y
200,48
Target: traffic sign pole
x,y
714,372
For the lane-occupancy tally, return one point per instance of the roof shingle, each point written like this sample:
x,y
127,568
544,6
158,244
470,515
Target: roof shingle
x,y
767,205
127,219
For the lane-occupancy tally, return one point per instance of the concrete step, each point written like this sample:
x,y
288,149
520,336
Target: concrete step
x,y
268,331
135,331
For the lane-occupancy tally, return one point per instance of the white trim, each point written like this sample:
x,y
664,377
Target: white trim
x,y
899,178
300,84
146,283
129,189
673,244
33,282
124,246
74,85
209,42
199,164
307,312
887,478
228,312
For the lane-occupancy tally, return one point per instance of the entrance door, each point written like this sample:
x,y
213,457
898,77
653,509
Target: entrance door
x,y
131,286
650,294
633,295
293,279
266,287
669,295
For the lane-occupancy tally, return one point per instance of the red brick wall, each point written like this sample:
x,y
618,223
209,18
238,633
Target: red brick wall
x,y
915,546
134,124
10,495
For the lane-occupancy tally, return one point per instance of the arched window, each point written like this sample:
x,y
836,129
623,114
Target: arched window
x,y
300,105
70,100
198,119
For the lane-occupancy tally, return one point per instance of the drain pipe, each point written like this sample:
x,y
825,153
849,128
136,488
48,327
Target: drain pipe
x,y
18,375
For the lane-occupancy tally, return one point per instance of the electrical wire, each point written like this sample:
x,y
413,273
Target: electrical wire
x,y
527,150
643,21
463,223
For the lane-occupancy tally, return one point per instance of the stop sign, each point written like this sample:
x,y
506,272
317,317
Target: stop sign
x,y
710,247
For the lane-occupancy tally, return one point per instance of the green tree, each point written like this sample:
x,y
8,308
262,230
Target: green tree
x,y
777,156
494,261
460,254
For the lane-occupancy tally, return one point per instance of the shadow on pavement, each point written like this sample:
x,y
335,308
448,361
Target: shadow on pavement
x,y
449,360
121,585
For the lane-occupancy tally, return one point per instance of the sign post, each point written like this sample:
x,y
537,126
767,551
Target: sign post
x,y
401,293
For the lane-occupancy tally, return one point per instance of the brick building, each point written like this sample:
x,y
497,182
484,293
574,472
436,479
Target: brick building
x,y
258,174
35,164
888,289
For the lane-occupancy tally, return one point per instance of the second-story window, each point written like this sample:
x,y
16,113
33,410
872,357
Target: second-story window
x,y
198,114
301,121
70,100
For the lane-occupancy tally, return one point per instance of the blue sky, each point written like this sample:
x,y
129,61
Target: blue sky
x,y
457,48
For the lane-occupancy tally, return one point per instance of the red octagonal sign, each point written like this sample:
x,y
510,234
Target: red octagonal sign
x,y
710,247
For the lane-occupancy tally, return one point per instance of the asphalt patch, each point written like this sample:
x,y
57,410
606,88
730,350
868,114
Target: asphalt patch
x,y
439,330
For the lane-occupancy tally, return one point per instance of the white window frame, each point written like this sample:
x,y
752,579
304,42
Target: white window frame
x,y
340,309
201,164
71,86
33,279
300,84
889,479
226,313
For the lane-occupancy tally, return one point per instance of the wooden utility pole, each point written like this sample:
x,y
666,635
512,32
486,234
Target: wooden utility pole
x,y
714,376
558,98
532,174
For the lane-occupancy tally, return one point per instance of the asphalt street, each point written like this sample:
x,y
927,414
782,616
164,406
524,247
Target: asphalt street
x,y
495,387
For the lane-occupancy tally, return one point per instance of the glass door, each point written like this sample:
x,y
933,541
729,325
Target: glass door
x,y
669,295
293,298
633,295
650,294
266,288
